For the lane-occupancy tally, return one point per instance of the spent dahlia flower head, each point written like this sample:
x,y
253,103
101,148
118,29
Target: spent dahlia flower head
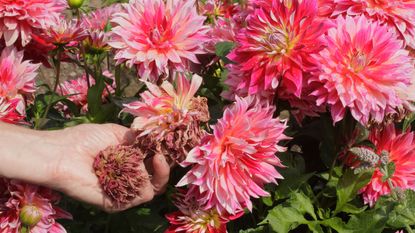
x,y
158,37
400,149
192,218
12,110
20,18
275,47
399,15
233,164
16,75
30,207
365,69
120,172
170,117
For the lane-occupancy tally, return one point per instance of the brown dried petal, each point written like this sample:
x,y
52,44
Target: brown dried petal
x,y
119,172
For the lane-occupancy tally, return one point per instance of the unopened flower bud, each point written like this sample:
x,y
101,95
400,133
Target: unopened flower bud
x,y
75,4
30,215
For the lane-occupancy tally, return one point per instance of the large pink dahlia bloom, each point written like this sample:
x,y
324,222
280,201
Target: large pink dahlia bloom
x,y
20,18
158,37
276,45
233,164
397,14
193,218
29,206
169,118
365,69
16,75
400,148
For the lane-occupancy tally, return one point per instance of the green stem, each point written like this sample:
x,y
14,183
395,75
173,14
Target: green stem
x,y
408,228
39,123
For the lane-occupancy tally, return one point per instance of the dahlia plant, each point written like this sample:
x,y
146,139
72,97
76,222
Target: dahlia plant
x,y
273,115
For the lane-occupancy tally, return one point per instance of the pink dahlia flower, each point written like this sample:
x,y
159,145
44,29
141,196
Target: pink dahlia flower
x,y
19,18
62,32
16,76
77,90
400,148
12,111
170,117
365,69
25,206
100,18
158,37
192,218
276,45
397,14
233,164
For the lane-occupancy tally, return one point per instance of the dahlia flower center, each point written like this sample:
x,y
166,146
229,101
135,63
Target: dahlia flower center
x,y
30,215
279,42
157,37
358,61
207,220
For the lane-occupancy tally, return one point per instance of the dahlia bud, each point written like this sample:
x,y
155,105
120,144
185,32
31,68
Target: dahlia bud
x,y
30,215
75,4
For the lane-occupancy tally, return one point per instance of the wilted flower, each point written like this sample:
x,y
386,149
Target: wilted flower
x,y
63,32
26,206
400,150
169,118
232,165
365,69
275,47
158,37
399,15
19,18
16,76
120,172
192,218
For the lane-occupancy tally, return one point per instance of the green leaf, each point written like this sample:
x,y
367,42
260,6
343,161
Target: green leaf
x,y
348,186
283,219
372,221
95,97
336,224
223,48
267,201
403,212
351,209
260,229
303,204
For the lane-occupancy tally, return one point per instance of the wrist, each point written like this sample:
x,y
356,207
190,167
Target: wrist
x,y
28,155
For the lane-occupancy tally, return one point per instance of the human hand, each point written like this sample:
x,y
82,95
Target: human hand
x,y
71,170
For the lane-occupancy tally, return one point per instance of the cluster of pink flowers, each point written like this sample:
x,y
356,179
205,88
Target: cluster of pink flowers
x,y
158,37
19,19
341,55
17,82
26,206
